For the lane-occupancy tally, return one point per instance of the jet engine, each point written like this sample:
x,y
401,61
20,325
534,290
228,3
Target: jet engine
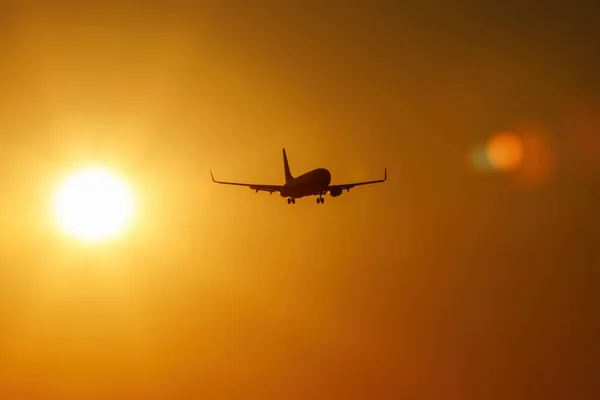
x,y
335,191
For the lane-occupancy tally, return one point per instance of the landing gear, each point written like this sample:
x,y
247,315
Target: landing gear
x,y
291,200
320,200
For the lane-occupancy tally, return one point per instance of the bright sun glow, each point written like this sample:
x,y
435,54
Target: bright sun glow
x,y
93,205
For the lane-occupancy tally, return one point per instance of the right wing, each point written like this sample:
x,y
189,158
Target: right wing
x,y
253,186
348,186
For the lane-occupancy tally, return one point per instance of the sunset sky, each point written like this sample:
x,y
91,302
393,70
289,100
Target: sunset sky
x,y
472,273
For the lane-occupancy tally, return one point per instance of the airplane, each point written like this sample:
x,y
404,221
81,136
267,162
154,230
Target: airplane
x,y
314,183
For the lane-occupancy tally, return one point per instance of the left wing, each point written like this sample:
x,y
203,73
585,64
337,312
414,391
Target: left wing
x,y
348,186
253,186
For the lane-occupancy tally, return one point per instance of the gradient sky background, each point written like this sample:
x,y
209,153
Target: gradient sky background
x,y
447,281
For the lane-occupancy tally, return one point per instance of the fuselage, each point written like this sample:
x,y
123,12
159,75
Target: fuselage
x,y
308,184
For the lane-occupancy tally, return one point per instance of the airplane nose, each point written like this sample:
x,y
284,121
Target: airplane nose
x,y
327,176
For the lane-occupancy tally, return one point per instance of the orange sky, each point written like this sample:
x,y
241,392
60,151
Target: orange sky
x,y
447,281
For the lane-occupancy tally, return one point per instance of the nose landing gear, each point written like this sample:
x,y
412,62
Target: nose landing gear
x,y
320,200
291,200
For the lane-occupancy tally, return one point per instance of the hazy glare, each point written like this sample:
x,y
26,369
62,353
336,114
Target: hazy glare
x,y
464,276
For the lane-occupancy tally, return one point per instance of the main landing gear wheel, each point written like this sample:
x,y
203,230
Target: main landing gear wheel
x,y
291,201
320,200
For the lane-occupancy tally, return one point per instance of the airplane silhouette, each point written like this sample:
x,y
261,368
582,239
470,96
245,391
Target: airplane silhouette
x,y
313,183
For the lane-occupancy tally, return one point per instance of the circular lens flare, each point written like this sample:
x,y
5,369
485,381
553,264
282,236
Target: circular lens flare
x,y
505,151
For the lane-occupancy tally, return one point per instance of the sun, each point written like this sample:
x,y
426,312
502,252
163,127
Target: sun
x,y
93,205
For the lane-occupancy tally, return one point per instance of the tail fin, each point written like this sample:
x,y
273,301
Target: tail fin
x,y
286,167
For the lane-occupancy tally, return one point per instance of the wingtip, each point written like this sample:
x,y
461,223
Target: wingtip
x,y
212,176
385,174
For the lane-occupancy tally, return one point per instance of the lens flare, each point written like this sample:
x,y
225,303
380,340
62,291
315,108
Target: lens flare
x,y
505,151
479,160
538,165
